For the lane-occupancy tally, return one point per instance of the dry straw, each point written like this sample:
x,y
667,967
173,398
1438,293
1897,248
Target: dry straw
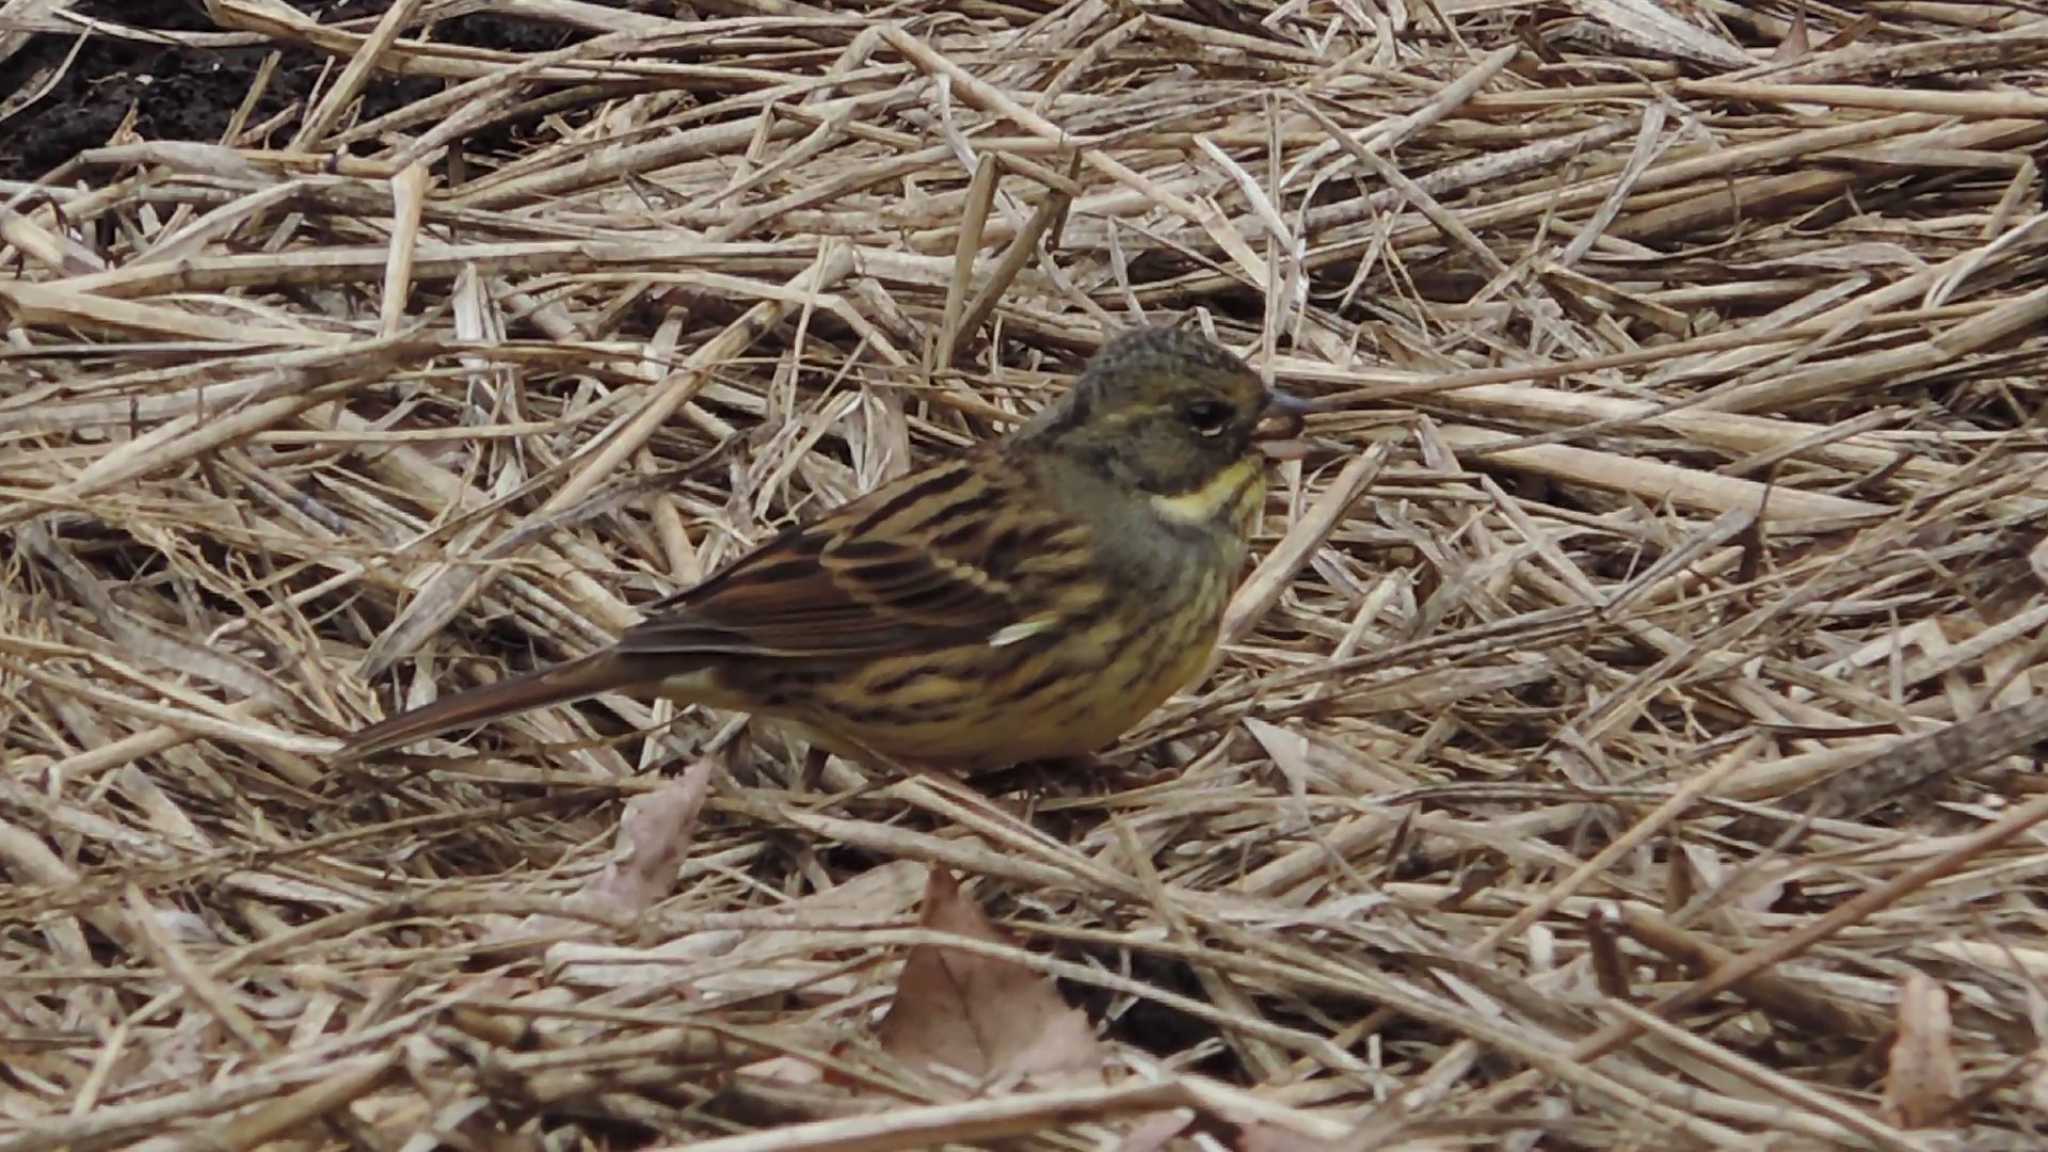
x,y
1630,699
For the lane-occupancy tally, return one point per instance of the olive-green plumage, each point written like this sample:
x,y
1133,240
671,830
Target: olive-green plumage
x,y
1034,598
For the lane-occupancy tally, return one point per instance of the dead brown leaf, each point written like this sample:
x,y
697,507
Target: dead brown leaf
x,y
1797,45
988,1017
654,832
1923,1083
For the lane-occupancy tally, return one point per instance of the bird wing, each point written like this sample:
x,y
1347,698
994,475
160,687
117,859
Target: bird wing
x,y
928,561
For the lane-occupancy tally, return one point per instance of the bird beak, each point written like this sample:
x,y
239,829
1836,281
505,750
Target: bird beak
x,y
1289,410
1279,430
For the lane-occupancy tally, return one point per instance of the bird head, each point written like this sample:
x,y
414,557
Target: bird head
x,y
1166,411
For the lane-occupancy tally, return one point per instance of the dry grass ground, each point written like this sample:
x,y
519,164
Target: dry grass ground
x,y
1624,733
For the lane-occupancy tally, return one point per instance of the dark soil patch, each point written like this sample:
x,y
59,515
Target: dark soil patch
x,y
183,93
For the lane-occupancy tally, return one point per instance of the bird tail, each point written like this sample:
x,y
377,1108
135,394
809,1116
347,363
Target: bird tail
x,y
589,676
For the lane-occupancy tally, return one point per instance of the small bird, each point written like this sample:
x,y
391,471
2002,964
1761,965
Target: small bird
x,y
1032,599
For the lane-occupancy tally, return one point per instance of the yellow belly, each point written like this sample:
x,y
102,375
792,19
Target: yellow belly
x,y
963,724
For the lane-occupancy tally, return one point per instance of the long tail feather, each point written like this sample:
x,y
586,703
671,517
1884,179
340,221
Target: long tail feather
x,y
593,674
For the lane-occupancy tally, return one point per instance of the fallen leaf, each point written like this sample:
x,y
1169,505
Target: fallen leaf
x,y
985,1016
1797,45
655,831
1923,1083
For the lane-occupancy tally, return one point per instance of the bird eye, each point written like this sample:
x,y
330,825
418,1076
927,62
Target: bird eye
x,y
1208,417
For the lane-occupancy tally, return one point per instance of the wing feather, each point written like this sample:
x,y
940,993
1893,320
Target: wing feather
x,y
925,562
